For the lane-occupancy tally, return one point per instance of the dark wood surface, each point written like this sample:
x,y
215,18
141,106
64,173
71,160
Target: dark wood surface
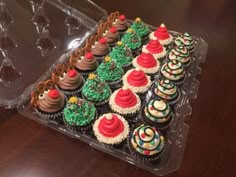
x,y
28,149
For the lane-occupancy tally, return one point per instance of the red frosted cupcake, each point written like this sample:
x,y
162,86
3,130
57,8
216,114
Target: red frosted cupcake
x,y
154,47
147,63
125,102
162,34
137,80
111,129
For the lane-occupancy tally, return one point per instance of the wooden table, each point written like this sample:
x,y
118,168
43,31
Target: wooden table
x,y
28,149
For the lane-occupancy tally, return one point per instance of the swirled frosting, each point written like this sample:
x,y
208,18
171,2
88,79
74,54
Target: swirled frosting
x,y
51,101
121,23
173,70
147,63
121,54
70,80
100,48
157,111
111,128
179,53
96,89
154,47
137,80
124,101
147,141
79,112
162,34
140,27
166,89
111,35
109,70
185,39
131,39
87,62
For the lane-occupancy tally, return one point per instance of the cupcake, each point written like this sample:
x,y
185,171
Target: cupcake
x,y
187,40
163,35
111,129
86,64
96,90
100,49
146,144
122,55
174,71
110,71
47,101
154,47
179,53
147,63
157,113
166,90
125,102
132,40
141,29
121,24
137,81
79,114
112,36
68,80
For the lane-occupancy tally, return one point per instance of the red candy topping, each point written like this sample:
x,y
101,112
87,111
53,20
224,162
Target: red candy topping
x,y
89,55
122,17
72,73
154,46
103,40
146,60
146,152
53,93
162,33
137,78
113,29
111,127
125,98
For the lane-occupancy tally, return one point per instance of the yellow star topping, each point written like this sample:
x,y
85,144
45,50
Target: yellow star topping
x,y
138,19
119,43
92,76
107,59
73,99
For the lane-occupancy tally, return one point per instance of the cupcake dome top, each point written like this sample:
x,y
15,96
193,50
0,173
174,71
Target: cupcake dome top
x,y
162,32
131,39
147,60
185,39
86,62
140,27
100,47
180,53
120,23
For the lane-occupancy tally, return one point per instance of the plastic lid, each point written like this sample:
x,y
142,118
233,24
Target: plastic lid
x,y
33,36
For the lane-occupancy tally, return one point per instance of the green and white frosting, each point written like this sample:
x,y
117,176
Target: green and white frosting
x,y
166,89
180,53
173,70
131,39
157,111
147,141
185,39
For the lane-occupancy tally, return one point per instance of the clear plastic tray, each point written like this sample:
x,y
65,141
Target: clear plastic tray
x,y
39,31
176,135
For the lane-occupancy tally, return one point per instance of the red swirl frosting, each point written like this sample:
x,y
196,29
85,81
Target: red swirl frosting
x,y
146,60
137,78
162,32
154,46
125,98
110,125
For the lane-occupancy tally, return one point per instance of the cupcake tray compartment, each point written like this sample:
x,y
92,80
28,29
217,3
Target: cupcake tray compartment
x,y
176,135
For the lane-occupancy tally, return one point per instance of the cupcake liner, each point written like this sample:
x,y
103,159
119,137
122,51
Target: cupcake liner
x,y
127,67
115,84
145,39
137,51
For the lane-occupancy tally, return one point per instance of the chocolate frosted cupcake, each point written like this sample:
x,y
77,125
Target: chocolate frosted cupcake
x,y
96,90
141,29
122,55
180,53
112,36
48,101
133,41
146,144
163,35
157,113
86,64
111,129
121,24
125,102
155,48
111,72
166,90
79,114
100,49
187,40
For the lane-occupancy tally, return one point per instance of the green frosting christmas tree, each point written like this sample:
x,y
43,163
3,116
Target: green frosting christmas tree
x,y
131,39
140,28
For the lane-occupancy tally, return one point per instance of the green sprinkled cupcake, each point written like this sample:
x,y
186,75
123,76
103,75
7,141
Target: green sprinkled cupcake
x,y
96,90
110,71
79,114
